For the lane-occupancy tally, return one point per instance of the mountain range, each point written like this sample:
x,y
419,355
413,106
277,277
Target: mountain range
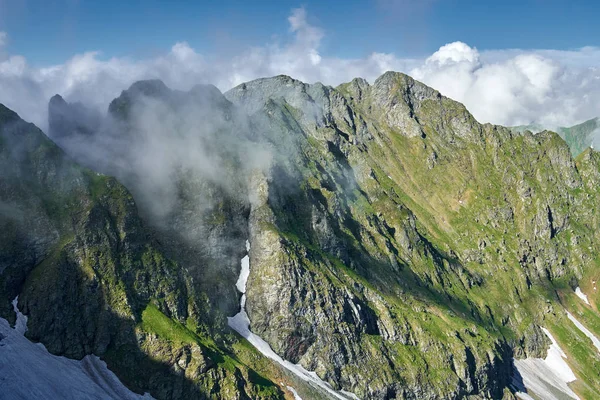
x,y
293,240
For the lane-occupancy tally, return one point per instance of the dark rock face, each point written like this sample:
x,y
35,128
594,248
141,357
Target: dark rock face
x,y
399,249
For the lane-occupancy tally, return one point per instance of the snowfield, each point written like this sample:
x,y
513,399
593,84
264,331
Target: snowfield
x,y
546,378
241,324
28,371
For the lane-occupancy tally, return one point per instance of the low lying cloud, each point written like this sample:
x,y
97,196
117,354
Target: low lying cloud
x,y
508,87
172,149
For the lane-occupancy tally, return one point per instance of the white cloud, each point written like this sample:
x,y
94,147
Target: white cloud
x,y
3,37
308,35
453,53
507,87
517,87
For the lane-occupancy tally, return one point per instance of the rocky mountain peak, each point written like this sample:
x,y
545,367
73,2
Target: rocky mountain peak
x,y
149,87
67,119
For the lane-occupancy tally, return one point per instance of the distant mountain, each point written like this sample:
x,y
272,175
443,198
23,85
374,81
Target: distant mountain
x,y
578,137
533,128
293,240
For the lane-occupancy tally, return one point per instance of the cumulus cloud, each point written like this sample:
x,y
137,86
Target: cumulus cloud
x,y
519,87
506,87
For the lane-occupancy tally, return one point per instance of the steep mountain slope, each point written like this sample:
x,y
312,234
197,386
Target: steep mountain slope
x,y
578,137
398,248
406,207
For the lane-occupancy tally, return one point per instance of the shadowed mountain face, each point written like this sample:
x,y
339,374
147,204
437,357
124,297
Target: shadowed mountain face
x,y
399,248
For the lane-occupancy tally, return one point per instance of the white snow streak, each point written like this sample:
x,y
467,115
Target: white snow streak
x,y
585,331
21,324
546,378
241,324
28,371
296,395
582,296
244,273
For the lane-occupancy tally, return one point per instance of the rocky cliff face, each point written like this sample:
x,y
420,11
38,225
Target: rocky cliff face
x,y
399,249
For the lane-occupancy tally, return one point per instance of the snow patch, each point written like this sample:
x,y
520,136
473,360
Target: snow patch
x,y
21,324
241,324
245,272
546,378
582,296
585,331
29,371
556,360
294,393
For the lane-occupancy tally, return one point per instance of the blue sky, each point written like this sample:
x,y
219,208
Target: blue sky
x,y
51,31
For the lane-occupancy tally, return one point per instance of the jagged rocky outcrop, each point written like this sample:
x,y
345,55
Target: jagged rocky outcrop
x,y
399,248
